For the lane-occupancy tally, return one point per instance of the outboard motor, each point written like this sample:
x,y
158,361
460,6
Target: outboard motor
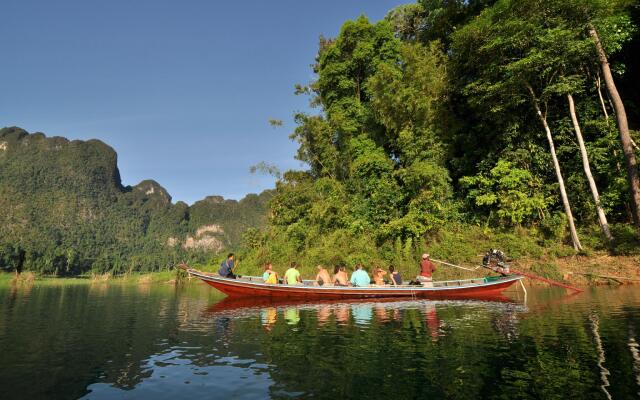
x,y
496,260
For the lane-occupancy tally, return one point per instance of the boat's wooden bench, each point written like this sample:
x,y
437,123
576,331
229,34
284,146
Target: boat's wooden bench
x,y
457,282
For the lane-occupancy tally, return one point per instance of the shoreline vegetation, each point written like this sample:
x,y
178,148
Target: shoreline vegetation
x,y
30,278
593,270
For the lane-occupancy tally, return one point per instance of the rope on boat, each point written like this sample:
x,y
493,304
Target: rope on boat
x,y
549,281
525,291
528,275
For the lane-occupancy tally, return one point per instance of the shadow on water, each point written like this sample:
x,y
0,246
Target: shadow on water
x,y
164,341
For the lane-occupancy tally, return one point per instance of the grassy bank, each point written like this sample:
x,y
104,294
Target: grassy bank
x,y
30,278
595,269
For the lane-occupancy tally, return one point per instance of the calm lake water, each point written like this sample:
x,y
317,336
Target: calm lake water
x,y
106,341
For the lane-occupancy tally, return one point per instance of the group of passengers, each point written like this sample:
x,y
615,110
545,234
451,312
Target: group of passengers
x,y
359,277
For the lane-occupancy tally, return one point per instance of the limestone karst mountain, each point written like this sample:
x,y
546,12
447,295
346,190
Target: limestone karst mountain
x,y
65,211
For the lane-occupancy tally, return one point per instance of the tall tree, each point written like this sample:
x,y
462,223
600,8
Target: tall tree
x,y
609,26
344,65
516,57
572,55
441,18
602,218
556,166
631,163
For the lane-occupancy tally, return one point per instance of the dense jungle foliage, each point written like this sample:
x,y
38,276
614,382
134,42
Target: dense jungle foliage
x,y
64,211
431,135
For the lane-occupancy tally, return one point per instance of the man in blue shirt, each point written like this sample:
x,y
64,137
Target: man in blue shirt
x,y
226,268
360,277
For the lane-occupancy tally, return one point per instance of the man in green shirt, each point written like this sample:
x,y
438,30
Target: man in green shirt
x,y
292,276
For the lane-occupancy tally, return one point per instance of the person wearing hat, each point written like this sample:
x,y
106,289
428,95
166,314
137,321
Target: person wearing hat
x,y
426,271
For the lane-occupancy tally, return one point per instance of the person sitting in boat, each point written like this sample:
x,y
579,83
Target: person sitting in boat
x,y
378,276
426,271
292,276
322,277
269,276
394,276
340,277
360,276
226,267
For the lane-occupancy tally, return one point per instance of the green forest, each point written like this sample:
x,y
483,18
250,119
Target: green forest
x,y
65,212
453,126
450,126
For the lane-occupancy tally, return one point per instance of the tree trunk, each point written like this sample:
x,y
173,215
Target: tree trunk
x,y
602,218
604,108
623,127
563,192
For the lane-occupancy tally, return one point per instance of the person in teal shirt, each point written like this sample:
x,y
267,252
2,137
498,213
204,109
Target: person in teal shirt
x,y
269,276
360,277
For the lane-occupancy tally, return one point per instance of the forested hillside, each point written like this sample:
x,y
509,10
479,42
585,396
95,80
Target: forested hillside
x,y
452,125
64,211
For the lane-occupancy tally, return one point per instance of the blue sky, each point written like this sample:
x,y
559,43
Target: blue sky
x,y
182,90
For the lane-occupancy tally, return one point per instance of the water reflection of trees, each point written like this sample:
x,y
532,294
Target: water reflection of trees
x,y
451,350
372,349
68,337
347,349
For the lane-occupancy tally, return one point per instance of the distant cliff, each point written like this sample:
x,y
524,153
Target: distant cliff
x,y
65,211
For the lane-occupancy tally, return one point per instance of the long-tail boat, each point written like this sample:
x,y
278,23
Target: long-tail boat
x,y
453,289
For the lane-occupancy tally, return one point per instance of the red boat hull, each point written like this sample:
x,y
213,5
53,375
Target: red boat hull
x,y
240,288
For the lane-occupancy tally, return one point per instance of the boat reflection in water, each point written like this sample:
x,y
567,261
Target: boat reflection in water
x,y
367,311
268,317
432,320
